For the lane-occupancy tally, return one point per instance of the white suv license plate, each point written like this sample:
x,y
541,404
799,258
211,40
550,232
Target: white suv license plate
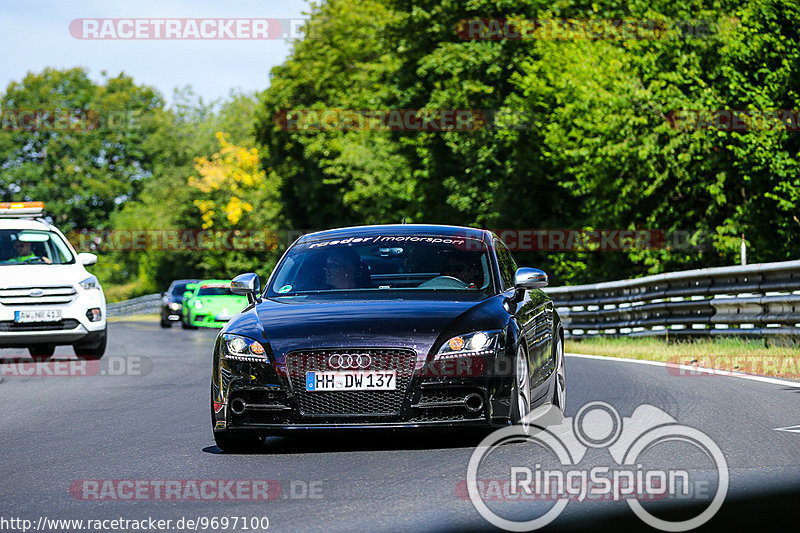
x,y
349,381
51,315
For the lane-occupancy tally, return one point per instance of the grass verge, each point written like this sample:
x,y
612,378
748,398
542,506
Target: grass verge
x,y
730,354
136,318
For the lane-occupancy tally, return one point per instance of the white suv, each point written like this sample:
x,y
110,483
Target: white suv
x,y
47,297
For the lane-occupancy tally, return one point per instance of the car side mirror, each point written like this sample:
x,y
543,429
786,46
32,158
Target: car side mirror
x,y
188,294
530,278
87,259
247,285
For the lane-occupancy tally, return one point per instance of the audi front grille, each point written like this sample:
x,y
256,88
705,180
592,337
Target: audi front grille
x,y
350,403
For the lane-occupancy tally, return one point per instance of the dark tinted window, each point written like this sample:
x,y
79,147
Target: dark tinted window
x,y
179,288
214,291
508,267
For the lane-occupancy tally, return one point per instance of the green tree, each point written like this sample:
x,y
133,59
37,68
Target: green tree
x,y
86,168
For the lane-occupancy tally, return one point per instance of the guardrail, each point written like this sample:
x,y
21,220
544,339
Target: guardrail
x,y
147,304
752,300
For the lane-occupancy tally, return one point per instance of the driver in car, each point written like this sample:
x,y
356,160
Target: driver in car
x,y
460,269
342,269
25,255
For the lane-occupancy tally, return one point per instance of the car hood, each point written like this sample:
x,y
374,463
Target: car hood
x,y
418,324
41,275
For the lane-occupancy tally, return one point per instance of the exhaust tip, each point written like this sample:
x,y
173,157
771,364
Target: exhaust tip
x,y
238,406
473,402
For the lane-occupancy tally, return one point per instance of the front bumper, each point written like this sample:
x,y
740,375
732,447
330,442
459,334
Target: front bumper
x,y
261,396
206,321
171,315
73,327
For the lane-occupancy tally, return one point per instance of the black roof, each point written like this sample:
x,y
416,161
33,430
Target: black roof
x,y
428,230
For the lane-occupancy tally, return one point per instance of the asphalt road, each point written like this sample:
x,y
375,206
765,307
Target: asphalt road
x,y
143,414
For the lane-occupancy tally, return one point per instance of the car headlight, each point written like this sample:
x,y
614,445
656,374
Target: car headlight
x,y
237,347
198,304
175,306
475,343
90,283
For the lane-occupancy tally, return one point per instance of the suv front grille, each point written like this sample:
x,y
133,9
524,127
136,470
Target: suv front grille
x,y
351,403
62,294
66,324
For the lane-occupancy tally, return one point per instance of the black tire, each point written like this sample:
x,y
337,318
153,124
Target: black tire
x,y
92,351
166,323
185,325
41,352
238,442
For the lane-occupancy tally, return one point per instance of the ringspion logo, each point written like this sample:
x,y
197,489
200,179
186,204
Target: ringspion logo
x,y
654,459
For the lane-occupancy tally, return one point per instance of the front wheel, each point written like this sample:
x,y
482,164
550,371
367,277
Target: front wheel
x,y
95,350
186,322
560,385
42,352
521,393
236,442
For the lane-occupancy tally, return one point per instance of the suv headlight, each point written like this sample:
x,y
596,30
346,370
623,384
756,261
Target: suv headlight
x,y
475,343
90,283
238,347
175,306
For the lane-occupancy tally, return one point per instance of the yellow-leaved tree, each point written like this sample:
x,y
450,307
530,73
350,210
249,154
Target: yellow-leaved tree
x,y
237,202
229,182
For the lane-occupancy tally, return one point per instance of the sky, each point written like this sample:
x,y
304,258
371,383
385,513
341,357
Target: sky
x,y
36,34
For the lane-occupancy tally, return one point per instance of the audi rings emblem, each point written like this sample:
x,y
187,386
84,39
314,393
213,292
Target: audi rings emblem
x,y
343,361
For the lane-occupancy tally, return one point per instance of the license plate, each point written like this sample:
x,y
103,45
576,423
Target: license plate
x,y
344,381
52,315
222,318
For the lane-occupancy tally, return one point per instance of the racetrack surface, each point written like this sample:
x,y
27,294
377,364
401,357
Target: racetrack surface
x,y
153,422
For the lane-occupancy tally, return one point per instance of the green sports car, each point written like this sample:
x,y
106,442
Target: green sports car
x,y
210,303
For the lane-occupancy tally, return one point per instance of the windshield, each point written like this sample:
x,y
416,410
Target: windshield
x,y
215,290
35,247
179,288
384,263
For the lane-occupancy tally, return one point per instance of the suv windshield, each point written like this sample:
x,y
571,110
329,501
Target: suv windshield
x,y
36,247
401,262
